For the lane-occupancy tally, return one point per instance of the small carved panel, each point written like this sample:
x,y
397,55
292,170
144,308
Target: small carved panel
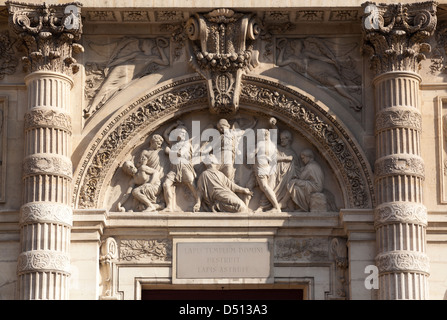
x,y
301,249
145,250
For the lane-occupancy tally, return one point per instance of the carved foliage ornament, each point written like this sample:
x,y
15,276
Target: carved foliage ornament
x,y
395,34
48,35
221,50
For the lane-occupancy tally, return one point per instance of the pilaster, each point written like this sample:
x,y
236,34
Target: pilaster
x,y
48,34
394,37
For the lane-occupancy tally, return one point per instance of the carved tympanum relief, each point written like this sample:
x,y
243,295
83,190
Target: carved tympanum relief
x,y
211,164
8,58
332,64
116,63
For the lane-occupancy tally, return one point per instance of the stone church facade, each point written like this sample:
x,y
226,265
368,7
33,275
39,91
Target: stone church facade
x,y
245,147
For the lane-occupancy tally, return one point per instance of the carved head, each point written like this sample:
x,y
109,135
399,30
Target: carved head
x,y
307,155
156,141
285,138
129,168
223,124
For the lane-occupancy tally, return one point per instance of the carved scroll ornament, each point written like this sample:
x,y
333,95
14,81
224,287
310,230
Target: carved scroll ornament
x,y
221,50
48,35
395,34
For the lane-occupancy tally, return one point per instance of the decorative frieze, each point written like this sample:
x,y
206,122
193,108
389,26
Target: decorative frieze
x,y
301,249
403,261
47,164
403,164
48,35
43,261
47,118
8,58
36,212
393,117
400,212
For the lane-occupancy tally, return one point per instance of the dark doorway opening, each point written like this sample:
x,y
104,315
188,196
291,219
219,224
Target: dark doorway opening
x,y
227,294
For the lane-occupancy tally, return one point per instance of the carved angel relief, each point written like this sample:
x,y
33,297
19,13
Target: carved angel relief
x,y
221,50
330,64
130,59
236,165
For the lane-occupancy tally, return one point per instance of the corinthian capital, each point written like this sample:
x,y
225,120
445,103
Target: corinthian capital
x,y
395,34
48,34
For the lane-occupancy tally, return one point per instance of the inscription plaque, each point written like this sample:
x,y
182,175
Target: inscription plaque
x,y
199,260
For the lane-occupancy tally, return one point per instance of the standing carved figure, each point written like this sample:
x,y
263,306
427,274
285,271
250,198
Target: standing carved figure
x,y
309,181
218,192
265,168
182,169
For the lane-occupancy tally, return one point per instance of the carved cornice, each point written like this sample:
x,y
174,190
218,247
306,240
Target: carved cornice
x,y
40,212
43,261
403,261
400,212
221,51
48,34
395,34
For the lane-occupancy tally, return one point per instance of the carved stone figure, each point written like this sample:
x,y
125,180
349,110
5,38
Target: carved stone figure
x,y
217,191
144,186
313,58
265,167
228,145
182,170
308,184
131,59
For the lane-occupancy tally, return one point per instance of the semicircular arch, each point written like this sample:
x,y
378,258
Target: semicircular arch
x,y
124,132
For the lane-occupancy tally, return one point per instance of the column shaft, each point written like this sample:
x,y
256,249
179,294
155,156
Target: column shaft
x,y
46,216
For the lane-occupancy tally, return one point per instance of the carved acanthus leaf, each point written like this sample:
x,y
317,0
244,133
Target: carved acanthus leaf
x,y
48,34
395,35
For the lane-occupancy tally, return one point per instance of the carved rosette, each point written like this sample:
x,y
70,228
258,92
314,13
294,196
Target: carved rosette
x,y
395,34
221,51
48,34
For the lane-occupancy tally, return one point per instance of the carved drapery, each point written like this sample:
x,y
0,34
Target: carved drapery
x,y
47,34
221,51
395,37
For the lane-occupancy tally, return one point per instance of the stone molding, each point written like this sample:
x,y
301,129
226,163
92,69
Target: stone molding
x,y
400,164
47,118
43,261
402,261
40,212
47,163
400,212
325,131
395,34
48,34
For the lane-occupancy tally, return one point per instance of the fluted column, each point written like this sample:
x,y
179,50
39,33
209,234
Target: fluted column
x,y
48,34
394,37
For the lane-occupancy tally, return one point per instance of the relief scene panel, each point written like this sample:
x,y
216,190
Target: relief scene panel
x,y
202,162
